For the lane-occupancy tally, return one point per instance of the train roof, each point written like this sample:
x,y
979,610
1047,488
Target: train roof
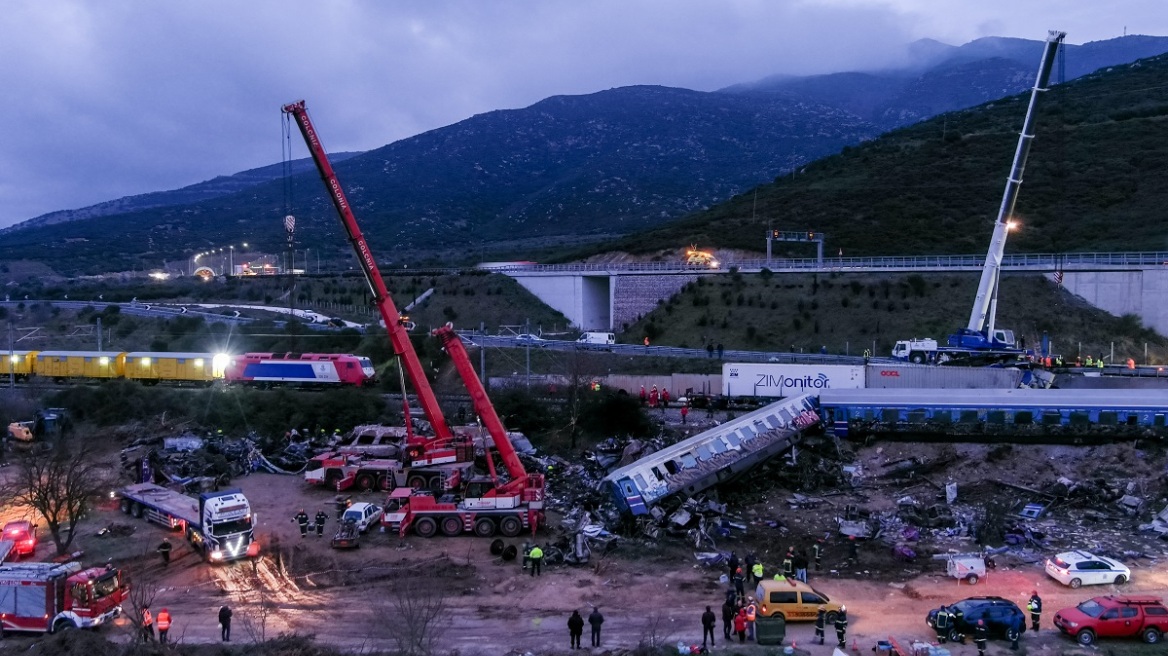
x,y
85,354
165,354
1003,399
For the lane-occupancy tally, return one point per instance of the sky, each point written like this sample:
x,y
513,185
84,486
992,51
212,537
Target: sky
x,y
107,99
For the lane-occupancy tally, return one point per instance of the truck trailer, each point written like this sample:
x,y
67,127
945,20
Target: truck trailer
x,y
51,597
219,525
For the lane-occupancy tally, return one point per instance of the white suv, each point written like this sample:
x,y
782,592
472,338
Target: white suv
x,y
1075,568
363,515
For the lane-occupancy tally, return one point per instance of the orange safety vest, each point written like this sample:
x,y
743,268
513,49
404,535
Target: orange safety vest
x,y
163,621
750,612
147,620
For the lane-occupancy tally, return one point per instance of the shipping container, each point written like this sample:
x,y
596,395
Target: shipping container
x,y
79,364
18,364
923,376
782,380
171,367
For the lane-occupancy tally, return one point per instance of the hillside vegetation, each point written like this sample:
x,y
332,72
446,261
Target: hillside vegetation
x,y
847,313
1094,181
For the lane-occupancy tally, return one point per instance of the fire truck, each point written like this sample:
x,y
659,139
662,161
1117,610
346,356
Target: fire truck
x,y
484,504
51,597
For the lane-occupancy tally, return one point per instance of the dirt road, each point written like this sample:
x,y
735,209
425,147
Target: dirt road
x,y
346,599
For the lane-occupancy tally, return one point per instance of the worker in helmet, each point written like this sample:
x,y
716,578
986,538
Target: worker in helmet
x,y
841,627
979,637
301,519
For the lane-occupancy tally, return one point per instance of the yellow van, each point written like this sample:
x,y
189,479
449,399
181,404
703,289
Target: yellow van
x,y
793,600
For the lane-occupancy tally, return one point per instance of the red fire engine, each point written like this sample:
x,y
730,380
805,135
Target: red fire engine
x,y
486,503
50,597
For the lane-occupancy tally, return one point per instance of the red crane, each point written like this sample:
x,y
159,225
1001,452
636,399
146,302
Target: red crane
x,y
486,506
389,313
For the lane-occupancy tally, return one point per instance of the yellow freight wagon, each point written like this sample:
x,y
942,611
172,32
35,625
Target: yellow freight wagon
x,y
62,365
150,368
18,363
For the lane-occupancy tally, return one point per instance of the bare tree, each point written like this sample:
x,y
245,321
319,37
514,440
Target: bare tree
x,y
62,485
417,616
143,590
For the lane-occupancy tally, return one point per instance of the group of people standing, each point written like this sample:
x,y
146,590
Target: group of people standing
x,y
576,627
320,520
164,622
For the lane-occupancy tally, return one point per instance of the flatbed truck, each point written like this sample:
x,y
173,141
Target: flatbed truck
x,y
219,525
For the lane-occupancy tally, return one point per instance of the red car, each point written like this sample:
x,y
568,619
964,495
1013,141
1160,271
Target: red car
x,y
1115,616
22,533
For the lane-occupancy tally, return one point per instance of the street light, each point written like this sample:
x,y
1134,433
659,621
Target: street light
x,y
231,268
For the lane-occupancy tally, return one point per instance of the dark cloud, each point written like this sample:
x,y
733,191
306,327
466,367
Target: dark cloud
x,y
106,99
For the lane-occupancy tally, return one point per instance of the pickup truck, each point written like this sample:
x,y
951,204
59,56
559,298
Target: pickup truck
x,y
1115,616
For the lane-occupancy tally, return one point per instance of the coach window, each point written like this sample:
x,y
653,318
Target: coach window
x,y
658,474
1024,417
687,460
1158,421
1080,418
1108,418
733,440
671,466
640,479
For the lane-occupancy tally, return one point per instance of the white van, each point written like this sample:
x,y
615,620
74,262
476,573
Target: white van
x,y
592,339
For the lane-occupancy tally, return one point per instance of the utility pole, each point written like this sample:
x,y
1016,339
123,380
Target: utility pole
x,y
290,227
99,333
527,330
11,359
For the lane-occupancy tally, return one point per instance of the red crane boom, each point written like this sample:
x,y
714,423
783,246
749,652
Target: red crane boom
x,y
398,336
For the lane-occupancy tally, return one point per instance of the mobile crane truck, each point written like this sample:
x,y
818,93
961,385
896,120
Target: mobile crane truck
x,y
980,342
219,525
487,504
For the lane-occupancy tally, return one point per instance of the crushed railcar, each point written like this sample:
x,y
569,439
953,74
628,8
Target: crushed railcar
x,y
713,456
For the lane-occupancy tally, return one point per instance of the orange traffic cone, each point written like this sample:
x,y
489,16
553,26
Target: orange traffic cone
x,y
855,646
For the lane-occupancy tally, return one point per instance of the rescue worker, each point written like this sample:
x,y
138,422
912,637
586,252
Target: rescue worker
x,y
684,413
853,550
941,624
979,637
733,562
751,616
756,572
841,627
536,558
147,625
740,624
1090,360
596,619
1035,608
575,629
727,618
664,399
820,622
789,564
301,518
321,518
644,397
225,623
709,621
341,504
164,551
1017,626
738,583
817,553
163,625
748,568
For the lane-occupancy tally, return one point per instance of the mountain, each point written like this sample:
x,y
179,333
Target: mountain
x,y
941,78
216,187
573,170
1094,181
569,166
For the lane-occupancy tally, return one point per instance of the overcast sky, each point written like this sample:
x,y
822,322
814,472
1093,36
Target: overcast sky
x,y
103,99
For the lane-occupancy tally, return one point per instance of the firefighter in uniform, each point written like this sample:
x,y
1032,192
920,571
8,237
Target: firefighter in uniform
x,y
841,627
817,551
979,637
941,624
1035,608
321,518
164,551
789,564
820,622
301,518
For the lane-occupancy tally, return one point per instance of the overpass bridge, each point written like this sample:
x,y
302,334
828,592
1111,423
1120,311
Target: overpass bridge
x,y
604,296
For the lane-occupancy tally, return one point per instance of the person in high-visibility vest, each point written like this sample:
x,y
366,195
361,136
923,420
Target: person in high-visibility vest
x,y
1035,608
147,625
751,615
756,571
163,625
536,558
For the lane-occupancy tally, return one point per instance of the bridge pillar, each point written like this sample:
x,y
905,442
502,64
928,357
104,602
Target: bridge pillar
x,y
1141,293
586,300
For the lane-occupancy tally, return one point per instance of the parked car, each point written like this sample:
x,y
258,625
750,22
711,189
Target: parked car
x,y
534,340
793,600
23,535
999,615
1076,568
374,441
364,515
1115,616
